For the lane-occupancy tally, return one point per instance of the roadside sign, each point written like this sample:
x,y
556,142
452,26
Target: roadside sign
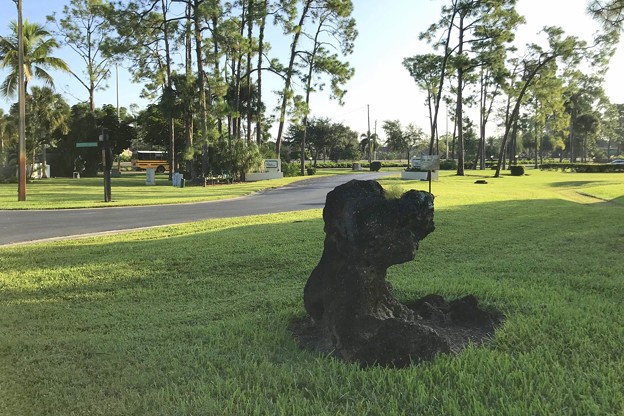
x,y
87,144
431,162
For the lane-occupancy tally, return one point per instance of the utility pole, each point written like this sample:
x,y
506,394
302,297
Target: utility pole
x,y
447,132
375,135
117,85
370,142
107,164
21,187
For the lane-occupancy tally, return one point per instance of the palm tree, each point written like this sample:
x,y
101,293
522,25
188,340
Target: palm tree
x,y
48,114
4,122
38,46
369,144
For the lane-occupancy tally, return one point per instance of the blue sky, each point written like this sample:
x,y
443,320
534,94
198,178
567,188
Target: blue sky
x,y
388,32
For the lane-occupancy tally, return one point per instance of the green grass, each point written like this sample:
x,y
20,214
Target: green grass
x,y
192,319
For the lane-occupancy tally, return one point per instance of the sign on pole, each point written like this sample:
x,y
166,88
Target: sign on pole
x,y
430,162
87,144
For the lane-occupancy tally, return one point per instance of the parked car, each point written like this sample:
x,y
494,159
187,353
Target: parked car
x,y
617,162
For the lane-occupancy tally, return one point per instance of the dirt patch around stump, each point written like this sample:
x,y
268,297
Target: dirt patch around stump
x,y
460,322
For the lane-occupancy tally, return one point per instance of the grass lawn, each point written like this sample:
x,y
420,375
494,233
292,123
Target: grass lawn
x,y
192,319
129,190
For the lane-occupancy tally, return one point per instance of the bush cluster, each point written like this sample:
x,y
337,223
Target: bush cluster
x,y
8,179
472,165
583,167
516,170
349,165
393,192
448,164
330,165
291,169
375,166
294,168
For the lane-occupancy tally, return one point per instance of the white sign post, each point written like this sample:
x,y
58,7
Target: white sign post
x,y
430,163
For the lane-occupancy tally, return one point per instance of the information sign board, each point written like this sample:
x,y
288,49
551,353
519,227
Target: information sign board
x,y
431,162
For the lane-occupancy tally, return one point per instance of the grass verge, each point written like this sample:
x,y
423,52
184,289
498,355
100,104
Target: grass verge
x,y
192,319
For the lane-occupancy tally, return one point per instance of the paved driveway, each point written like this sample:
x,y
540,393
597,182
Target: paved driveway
x,y
18,226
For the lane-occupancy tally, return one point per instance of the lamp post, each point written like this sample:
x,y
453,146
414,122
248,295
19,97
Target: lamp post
x,y
21,187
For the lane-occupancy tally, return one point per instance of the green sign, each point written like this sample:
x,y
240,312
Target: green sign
x,y
87,144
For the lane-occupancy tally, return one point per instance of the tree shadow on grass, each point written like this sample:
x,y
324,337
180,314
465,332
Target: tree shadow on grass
x,y
575,184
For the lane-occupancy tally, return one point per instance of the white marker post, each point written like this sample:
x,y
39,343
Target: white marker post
x,y
430,163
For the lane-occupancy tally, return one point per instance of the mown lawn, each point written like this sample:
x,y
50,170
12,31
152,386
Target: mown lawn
x,y
192,319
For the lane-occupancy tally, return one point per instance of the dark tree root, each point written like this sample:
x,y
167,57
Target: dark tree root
x,y
454,325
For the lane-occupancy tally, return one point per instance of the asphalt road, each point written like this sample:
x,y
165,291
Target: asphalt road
x,y
17,226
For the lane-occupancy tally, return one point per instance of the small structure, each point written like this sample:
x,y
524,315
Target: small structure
x,y
36,171
272,170
352,311
150,176
177,180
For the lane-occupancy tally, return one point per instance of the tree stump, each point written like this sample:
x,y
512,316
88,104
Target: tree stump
x,y
347,297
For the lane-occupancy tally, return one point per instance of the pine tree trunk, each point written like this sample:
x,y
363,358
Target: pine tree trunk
x,y
188,113
238,58
250,16
459,116
172,159
438,97
260,52
217,70
201,85
286,91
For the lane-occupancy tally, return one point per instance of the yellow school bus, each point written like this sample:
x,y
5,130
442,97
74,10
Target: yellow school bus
x,y
156,159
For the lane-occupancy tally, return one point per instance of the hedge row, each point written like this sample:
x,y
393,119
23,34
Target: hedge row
x,y
329,165
294,168
583,167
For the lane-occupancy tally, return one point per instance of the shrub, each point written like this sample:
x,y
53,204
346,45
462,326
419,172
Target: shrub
x,y
583,167
448,164
375,166
311,171
349,164
516,170
291,169
393,192
8,179
245,157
